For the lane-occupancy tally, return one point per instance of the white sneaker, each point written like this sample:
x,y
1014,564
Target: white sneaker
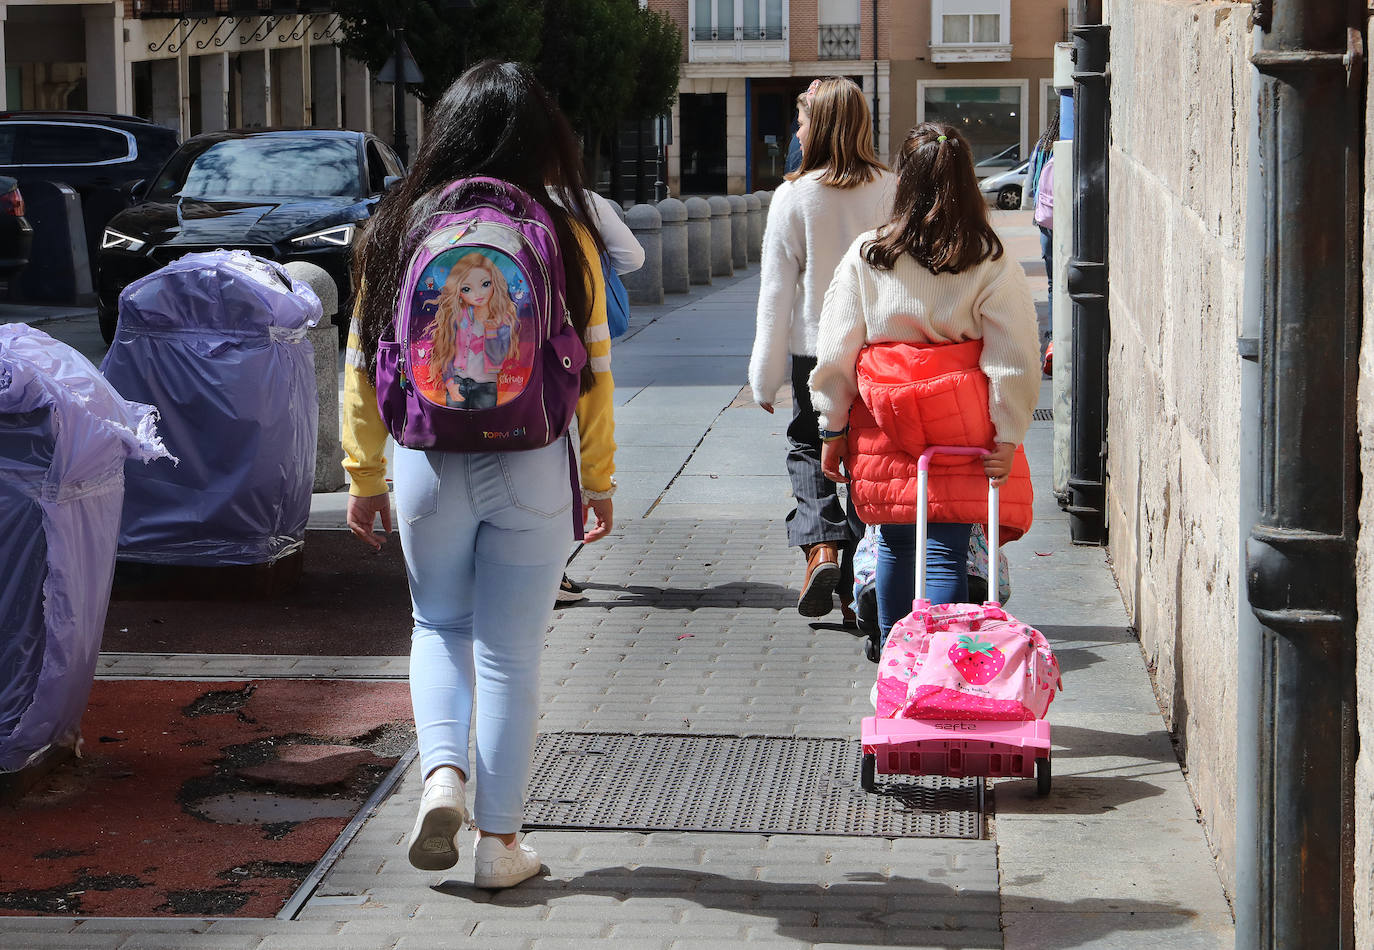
x,y
500,866
443,813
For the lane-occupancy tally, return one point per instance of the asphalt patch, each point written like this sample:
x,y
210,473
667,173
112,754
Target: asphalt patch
x,y
349,601
163,823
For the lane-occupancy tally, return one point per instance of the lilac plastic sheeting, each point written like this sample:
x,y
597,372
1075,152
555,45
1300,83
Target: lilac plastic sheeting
x,y
64,437
217,342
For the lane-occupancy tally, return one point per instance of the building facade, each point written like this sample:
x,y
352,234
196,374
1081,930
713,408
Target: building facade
x,y
971,62
192,65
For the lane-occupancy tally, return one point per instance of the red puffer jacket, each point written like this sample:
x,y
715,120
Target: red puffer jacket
x,y
915,396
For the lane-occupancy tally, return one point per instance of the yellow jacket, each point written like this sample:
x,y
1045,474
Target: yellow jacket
x,y
364,433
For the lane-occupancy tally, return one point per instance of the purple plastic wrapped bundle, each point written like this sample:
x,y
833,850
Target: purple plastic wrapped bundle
x,y
217,342
65,435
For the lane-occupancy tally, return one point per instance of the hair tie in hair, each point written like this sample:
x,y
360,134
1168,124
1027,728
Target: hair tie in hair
x,y
811,91
943,138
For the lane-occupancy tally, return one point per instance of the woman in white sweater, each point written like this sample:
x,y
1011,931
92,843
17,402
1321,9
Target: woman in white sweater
x,y
840,191
936,275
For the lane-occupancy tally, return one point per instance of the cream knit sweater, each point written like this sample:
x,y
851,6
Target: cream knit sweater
x,y
909,304
809,227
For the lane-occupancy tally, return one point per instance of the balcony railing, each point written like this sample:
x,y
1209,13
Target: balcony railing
x,y
191,9
839,41
737,44
738,34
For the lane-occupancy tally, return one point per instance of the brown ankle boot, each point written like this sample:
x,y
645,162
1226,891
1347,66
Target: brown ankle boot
x,y
822,574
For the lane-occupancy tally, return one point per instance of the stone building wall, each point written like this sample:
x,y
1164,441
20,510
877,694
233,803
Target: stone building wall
x,y
1364,584
1181,101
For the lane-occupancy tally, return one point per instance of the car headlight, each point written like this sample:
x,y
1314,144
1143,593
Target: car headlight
x,y
338,236
113,240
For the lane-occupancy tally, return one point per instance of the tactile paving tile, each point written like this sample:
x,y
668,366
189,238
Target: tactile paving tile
x,y
758,784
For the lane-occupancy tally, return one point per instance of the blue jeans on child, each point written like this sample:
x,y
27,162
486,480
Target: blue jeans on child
x,y
486,537
946,568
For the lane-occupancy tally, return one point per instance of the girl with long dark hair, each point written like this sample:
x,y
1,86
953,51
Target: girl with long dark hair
x,y
928,337
485,535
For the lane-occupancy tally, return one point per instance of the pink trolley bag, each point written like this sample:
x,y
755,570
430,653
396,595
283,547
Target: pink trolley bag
x,y
962,689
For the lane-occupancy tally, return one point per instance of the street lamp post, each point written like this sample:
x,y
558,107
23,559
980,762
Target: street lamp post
x,y
401,70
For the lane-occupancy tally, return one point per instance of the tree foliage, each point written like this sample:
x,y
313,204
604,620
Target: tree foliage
x,y
443,39
606,61
660,65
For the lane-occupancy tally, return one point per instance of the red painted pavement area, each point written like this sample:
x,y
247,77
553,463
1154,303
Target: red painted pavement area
x,y
122,832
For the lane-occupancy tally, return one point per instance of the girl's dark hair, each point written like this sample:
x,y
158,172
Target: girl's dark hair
x,y
495,120
1051,133
938,214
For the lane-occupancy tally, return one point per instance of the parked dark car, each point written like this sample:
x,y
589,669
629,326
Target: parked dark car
x,y
98,154
297,195
15,234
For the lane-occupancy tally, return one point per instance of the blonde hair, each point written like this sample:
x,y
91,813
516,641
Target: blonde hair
x,y
840,143
450,308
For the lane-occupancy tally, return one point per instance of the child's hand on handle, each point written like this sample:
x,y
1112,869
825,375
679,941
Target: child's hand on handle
x,y
833,455
362,515
605,518
997,463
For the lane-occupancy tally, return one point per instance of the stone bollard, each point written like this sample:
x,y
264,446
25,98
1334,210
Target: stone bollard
x,y
722,247
676,279
765,199
739,231
698,240
646,284
755,227
324,339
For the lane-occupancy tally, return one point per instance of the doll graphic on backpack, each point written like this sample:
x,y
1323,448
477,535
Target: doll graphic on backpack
x,y
474,345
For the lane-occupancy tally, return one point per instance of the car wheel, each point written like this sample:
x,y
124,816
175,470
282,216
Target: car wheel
x,y
1009,198
109,322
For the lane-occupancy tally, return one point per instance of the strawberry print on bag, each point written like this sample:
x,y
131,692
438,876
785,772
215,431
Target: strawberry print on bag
x,y
962,661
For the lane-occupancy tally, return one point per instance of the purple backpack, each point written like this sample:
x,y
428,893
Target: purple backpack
x,y
482,355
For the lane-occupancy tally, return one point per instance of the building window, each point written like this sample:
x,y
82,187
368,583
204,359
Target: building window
x,y
991,114
839,34
737,30
738,19
971,28
970,31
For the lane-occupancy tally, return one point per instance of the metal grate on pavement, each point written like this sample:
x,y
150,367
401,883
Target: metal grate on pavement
x,y
1042,415
758,784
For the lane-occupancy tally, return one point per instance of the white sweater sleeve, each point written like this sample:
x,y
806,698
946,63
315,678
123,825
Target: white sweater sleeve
x,y
842,334
622,247
1011,352
783,259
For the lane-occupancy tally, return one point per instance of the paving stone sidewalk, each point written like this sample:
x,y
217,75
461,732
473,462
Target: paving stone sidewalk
x,y
690,626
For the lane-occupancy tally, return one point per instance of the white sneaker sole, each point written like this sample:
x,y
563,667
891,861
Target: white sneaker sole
x,y
432,847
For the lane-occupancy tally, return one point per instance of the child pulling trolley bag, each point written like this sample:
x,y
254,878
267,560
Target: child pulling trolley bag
x,y
962,689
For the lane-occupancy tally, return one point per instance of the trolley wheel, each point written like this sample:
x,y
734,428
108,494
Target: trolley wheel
x,y
868,773
871,651
1042,777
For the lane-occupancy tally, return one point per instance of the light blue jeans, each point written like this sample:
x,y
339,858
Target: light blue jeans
x,y
486,537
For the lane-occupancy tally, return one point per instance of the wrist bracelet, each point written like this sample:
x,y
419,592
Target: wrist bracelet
x,y
830,435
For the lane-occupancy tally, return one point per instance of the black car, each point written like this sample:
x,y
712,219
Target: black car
x,y
15,234
295,195
98,154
